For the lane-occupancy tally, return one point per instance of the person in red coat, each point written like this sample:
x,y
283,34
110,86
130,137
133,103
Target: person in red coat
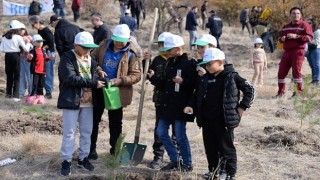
x,y
294,37
76,4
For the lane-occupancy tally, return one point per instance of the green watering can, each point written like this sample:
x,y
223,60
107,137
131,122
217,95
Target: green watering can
x,y
111,97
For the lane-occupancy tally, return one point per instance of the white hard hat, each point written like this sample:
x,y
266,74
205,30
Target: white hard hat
x,y
258,41
15,24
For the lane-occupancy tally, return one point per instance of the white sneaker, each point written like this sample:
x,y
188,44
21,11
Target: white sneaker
x,y
16,99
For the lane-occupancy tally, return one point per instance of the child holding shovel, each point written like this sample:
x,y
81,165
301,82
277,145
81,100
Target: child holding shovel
x,y
218,110
177,84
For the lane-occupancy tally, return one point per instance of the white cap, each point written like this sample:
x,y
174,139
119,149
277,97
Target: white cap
x,y
206,39
212,54
121,33
172,41
127,11
163,36
258,41
37,37
15,24
85,39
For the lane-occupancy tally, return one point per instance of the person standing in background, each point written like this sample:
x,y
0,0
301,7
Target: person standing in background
x,y
313,55
244,19
128,20
76,4
10,44
38,23
58,8
101,30
215,25
35,8
123,6
191,25
204,15
136,6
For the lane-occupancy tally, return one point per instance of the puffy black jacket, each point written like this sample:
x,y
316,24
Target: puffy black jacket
x,y
71,82
64,35
172,103
233,84
100,33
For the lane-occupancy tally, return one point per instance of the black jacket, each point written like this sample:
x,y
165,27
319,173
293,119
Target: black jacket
x,y
139,8
47,35
100,33
172,103
233,84
71,82
268,43
215,25
64,35
191,21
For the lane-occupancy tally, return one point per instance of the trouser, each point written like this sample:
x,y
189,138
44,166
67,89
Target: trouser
x,y
204,21
37,84
314,62
12,69
136,14
290,59
60,12
25,77
115,123
247,25
70,120
49,79
76,14
258,73
158,148
219,147
217,36
193,37
182,140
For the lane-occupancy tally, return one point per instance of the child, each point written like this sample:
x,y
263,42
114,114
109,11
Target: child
x,y
218,111
258,61
37,58
10,44
77,76
25,75
176,84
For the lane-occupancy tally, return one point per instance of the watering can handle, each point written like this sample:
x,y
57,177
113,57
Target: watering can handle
x,y
146,66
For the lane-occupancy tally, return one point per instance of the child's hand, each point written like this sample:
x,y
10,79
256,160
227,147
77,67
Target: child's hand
x,y
241,111
102,74
150,73
115,82
177,79
100,84
30,56
201,71
52,56
188,110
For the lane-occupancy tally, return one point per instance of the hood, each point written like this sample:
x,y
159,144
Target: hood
x,y
63,23
228,68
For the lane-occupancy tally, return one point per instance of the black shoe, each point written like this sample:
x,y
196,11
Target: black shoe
x,y
278,96
210,176
93,155
86,164
156,163
187,168
48,96
65,168
171,167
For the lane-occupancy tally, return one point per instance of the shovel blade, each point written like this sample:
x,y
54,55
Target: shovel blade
x,y
132,154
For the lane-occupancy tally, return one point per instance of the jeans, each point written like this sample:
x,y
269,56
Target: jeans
x,y
49,80
193,37
12,69
70,120
60,12
314,62
25,77
182,140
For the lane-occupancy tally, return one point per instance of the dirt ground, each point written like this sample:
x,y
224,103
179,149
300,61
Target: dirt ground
x,y
270,141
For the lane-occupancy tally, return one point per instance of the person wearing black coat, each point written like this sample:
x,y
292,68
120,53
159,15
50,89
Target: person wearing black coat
x,y
176,87
268,43
191,25
215,25
64,33
136,6
101,30
216,105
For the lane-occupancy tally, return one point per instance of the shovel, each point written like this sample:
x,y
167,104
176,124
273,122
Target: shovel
x,y
133,153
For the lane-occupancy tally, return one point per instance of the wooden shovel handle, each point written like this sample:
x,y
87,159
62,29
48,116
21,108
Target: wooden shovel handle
x,y
146,66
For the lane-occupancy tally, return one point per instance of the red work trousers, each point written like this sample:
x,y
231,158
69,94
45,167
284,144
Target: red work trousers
x,y
291,59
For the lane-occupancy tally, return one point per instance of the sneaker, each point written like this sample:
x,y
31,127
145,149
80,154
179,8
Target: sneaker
x,y
48,96
86,164
156,163
210,176
230,178
93,155
171,167
278,96
65,168
187,168
16,99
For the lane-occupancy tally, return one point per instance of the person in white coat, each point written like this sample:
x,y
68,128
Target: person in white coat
x,y
10,45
